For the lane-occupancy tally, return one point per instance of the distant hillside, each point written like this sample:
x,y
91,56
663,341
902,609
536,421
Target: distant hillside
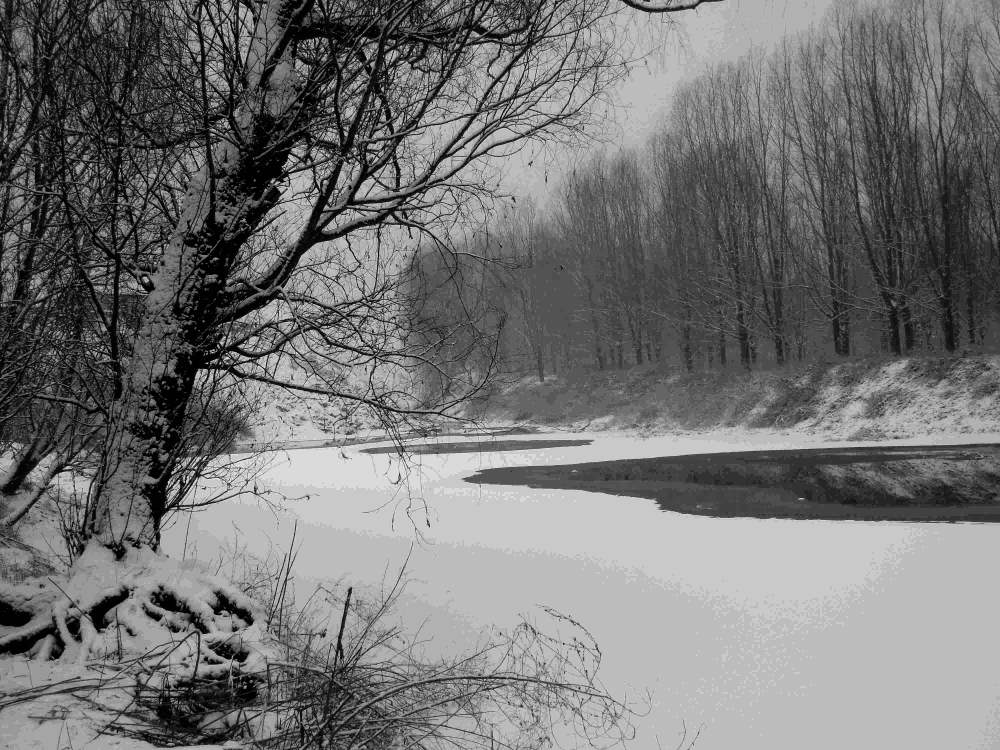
x,y
859,400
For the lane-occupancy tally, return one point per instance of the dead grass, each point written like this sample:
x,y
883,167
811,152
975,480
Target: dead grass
x,y
346,676
886,400
868,433
20,562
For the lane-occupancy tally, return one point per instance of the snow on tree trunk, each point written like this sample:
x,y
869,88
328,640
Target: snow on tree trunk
x,y
23,464
224,203
145,426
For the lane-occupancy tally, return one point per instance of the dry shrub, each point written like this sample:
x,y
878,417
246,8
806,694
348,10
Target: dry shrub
x,y
987,388
649,414
886,400
343,676
868,433
793,402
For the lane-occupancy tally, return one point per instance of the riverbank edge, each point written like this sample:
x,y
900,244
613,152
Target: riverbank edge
x,y
868,400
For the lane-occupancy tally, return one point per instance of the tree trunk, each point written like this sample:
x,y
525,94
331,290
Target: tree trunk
x,y
23,465
909,332
743,337
949,328
686,349
893,341
780,349
840,323
56,465
225,201
129,496
970,315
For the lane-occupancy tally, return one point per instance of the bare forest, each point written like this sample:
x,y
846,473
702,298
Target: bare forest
x,y
836,196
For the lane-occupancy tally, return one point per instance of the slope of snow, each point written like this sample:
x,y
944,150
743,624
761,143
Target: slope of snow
x,y
280,414
860,400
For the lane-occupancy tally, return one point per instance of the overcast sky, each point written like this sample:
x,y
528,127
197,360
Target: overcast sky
x,y
716,31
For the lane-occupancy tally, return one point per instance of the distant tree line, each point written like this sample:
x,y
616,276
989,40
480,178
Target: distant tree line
x,y
839,195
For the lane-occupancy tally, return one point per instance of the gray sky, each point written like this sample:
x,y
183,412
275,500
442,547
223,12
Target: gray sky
x,y
713,32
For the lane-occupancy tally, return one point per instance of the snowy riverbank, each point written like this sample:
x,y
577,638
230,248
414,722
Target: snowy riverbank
x,y
854,400
727,587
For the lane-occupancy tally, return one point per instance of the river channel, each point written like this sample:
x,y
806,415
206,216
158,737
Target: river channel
x,y
765,632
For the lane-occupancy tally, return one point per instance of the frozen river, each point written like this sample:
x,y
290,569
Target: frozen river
x,y
767,633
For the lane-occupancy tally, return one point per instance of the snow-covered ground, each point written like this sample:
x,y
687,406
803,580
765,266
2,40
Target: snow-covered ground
x,y
770,634
773,633
852,400
52,721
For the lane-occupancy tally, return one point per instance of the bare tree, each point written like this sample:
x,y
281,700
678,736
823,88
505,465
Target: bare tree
x,y
287,145
940,42
348,118
816,118
877,86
